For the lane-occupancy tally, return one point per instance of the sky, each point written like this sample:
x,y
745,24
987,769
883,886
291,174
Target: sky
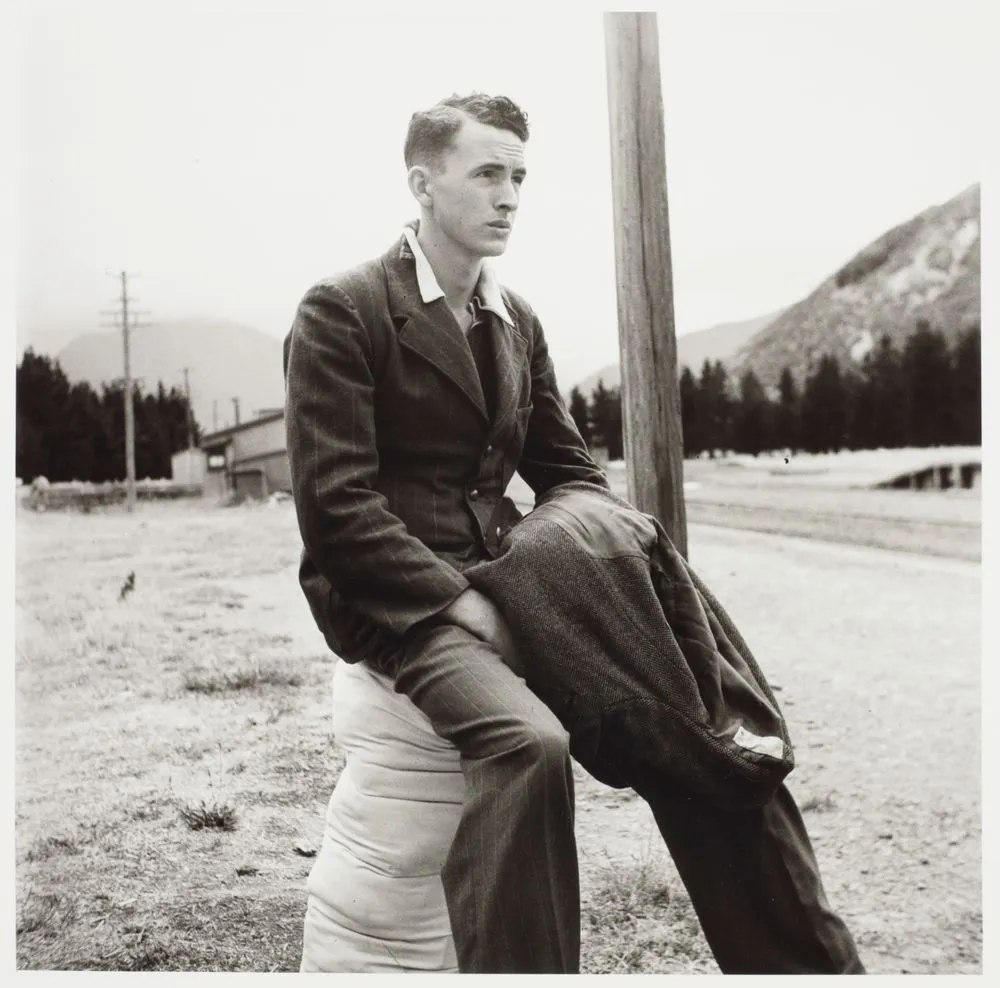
x,y
231,154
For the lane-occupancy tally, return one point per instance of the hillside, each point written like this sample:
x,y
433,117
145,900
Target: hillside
x,y
693,349
225,360
926,268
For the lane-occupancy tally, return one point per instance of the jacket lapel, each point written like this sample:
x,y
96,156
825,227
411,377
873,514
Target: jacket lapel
x,y
509,354
430,331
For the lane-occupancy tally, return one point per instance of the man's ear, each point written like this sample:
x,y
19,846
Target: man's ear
x,y
419,178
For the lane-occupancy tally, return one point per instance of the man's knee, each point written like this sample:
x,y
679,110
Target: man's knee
x,y
538,741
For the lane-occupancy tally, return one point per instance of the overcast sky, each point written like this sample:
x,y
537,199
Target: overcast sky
x,y
235,154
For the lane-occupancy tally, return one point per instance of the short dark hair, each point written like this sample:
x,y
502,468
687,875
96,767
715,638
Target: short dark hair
x,y
432,132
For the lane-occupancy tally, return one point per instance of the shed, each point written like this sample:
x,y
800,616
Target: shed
x,y
248,459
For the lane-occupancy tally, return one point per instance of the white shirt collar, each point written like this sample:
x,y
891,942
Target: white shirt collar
x,y
488,288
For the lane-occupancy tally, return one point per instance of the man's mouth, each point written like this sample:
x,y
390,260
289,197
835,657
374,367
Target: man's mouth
x,y
500,224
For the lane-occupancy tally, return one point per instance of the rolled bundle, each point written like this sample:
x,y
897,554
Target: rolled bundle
x,y
375,898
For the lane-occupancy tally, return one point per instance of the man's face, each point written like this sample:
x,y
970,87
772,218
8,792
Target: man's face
x,y
476,188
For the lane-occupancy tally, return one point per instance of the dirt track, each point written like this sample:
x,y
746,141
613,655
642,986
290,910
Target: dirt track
x,y
877,656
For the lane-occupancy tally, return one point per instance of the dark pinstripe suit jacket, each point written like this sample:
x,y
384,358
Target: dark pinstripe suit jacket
x,y
398,473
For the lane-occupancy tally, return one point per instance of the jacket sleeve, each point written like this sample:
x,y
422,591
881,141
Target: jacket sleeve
x,y
361,548
554,451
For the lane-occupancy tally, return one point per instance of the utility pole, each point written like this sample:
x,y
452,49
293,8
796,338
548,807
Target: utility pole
x,y
127,325
236,409
654,448
187,396
215,415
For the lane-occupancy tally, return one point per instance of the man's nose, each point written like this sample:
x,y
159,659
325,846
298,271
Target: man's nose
x,y
507,197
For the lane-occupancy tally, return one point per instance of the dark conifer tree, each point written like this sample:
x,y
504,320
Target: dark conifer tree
x,y
752,417
967,372
580,413
930,392
825,408
692,424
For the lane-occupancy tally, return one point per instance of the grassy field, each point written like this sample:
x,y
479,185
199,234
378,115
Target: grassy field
x,y
174,756
817,497
140,718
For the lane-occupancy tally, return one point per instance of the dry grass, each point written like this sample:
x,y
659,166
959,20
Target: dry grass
x,y
251,677
637,919
172,747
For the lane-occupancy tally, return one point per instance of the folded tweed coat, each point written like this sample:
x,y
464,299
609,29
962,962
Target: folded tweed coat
x,y
633,653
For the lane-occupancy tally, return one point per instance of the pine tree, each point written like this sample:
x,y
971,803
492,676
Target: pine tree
x,y
787,424
716,407
752,421
968,383
85,435
72,433
927,376
152,454
856,408
580,413
615,426
42,399
825,408
707,402
600,414
692,426
42,402
884,397
112,402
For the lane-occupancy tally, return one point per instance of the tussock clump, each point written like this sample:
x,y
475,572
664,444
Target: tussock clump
x,y
208,816
249,678
47,847
818,804
637,922
46,913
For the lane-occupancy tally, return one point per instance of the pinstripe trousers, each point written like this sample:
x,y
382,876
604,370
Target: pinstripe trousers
x,y
511,879
754,883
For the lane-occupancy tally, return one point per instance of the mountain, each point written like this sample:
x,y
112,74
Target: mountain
x,y
224,360
926,268
693,349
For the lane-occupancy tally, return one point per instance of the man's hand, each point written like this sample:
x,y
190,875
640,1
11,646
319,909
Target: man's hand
x,y
478,615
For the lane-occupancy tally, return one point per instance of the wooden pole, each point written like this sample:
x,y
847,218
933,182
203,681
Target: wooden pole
x,y
129,410
654,448
188,415
128,323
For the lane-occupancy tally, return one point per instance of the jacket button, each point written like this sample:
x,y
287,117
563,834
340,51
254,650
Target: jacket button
x,y
474,493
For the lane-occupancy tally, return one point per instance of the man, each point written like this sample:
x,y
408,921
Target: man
x,y
416,387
